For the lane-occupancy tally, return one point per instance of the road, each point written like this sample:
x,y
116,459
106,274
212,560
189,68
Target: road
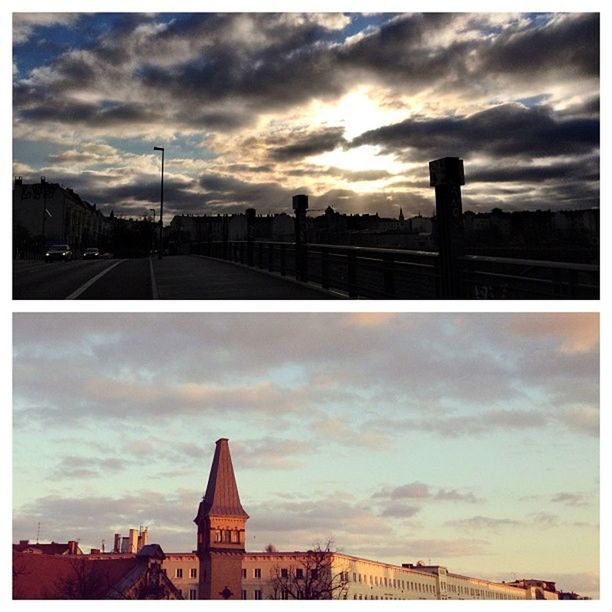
x,y
182,277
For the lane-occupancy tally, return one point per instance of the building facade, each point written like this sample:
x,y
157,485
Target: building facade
x,y
56,214
221,569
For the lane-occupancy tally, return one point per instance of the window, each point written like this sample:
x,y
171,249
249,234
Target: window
x,y
179,572
243,594
244,572
284,573
193,572
226,535
314,574
234,537
257,594
217,535
299,573
257,572
193,594
284,594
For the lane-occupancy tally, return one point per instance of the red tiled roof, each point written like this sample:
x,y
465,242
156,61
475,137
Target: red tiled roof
x,y
43,576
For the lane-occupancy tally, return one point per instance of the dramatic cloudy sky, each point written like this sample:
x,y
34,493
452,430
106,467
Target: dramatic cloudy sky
x,y
348,108
470,440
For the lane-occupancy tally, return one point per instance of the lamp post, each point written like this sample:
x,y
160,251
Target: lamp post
x,y
43,189
153,232
161,204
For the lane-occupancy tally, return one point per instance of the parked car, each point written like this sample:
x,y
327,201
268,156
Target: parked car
x,y
58,252
91,253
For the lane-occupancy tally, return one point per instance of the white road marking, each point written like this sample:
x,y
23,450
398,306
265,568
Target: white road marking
x,y
75,294
153,283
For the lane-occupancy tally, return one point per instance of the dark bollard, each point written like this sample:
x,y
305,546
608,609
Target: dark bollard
x,y
446,175
250,219
300,205
325,268
225,231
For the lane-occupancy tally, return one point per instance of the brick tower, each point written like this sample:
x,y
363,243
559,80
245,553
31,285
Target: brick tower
x,y
221,522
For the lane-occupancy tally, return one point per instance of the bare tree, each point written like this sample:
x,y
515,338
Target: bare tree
x,y
270,548
313,577
84,581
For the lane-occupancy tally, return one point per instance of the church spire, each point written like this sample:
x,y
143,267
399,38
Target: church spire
x,y
221,497
221,522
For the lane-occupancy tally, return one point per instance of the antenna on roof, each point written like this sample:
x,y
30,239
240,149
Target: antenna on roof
x,y
38,532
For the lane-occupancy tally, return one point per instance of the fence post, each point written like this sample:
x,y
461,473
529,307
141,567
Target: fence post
x,y
300,205
225,230
446,176
250,219
325,267
352,274
389,274
283,267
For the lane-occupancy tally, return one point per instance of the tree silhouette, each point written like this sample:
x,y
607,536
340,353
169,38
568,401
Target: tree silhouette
x,y
84,581
313,577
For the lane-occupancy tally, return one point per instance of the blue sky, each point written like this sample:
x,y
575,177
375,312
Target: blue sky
x,y
349,108
468,439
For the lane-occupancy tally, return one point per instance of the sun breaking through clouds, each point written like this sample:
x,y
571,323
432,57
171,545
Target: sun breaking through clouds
x,y
348,108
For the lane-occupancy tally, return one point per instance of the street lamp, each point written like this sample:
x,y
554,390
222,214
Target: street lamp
x,y
153,232
43,188
161,205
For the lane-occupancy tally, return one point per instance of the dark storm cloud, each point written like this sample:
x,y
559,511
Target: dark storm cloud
x,y
287,65
569,44
258,62
318,141
400,53
579,170
500,131
134,198
92,114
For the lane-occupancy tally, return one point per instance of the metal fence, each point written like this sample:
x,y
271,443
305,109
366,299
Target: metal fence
x,y
393,273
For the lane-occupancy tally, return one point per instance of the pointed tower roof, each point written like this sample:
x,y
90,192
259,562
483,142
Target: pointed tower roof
x,y
221,497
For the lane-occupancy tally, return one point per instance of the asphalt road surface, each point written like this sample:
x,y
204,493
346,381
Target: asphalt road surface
x,y
182,277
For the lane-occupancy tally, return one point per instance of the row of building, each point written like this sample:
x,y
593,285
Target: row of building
x,y
220,568
50,213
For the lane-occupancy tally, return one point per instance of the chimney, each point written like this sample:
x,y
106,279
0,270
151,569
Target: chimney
x,y
117,545
133,541
143,538
94,551
18,180
24,542
72,547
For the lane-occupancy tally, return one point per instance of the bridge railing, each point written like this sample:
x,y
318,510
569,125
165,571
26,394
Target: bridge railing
x,y
396,273
505,278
